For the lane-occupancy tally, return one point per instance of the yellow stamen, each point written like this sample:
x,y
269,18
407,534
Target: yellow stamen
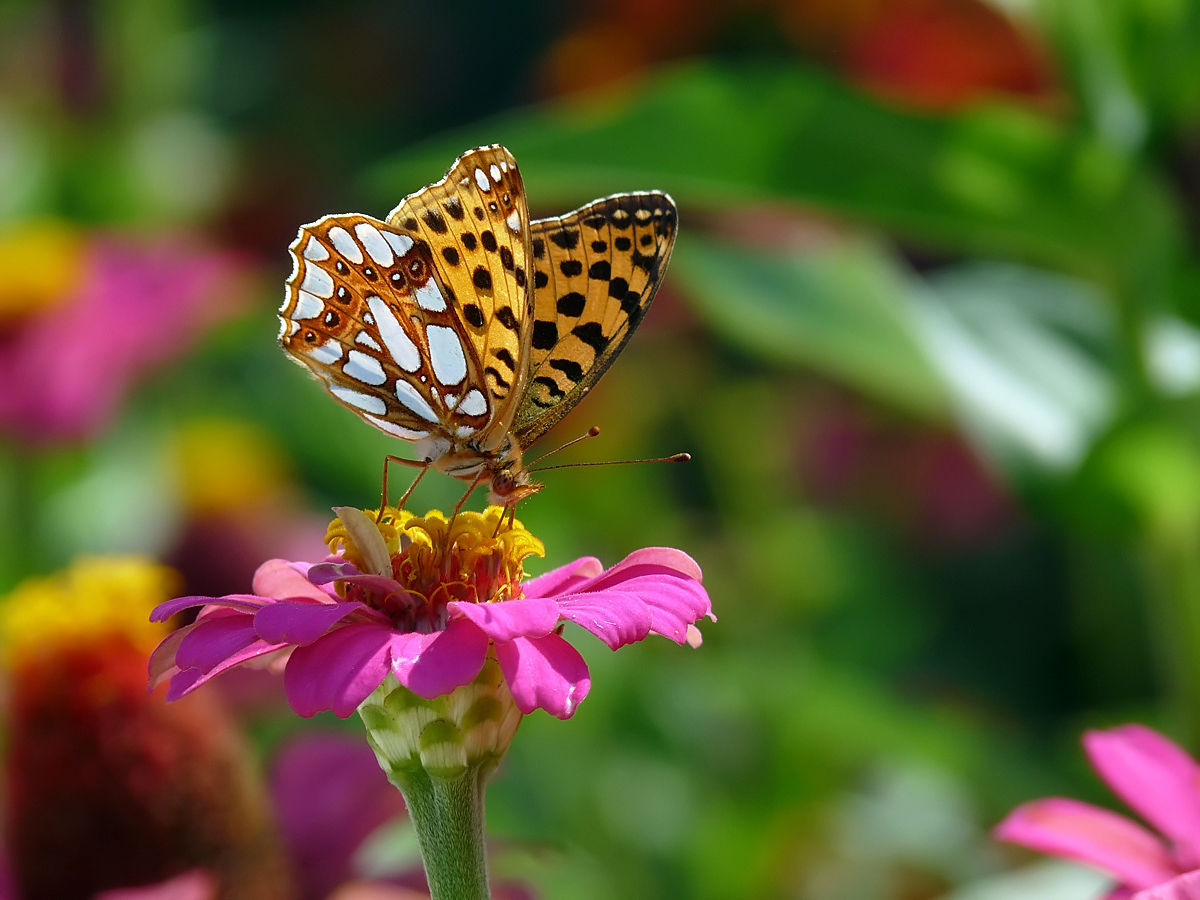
x,y
431,551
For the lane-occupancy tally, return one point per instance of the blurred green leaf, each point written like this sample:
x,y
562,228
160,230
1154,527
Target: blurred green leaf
x,y
840,310
999,180
1029,357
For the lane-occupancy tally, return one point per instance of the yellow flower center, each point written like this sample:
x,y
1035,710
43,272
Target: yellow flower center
x,y
476,557
94,598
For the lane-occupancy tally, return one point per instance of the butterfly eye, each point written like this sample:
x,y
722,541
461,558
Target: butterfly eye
x,y
341,267
369,272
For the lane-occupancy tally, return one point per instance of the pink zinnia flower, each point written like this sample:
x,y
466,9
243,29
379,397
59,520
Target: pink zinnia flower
x,y
1160,782
71,346
395,602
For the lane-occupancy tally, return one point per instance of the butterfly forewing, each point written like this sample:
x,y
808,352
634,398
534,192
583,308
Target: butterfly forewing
x,y
476,222
595,273
367,313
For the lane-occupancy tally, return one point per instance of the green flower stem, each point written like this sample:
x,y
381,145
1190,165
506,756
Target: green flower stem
x,y
448,816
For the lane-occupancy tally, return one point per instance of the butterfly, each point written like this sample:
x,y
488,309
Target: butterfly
x,y
460,325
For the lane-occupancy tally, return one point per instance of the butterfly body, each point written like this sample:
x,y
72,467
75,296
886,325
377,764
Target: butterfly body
x,y
465,328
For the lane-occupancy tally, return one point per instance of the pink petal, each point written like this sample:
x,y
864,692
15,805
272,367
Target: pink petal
x,y
212,640
197,884
527,617
674,603
337,671
283,580
244,602
546,673
1185,887
431,665
668,558
188,680
616,617
564,578
1091,835
1155,777
162,661
290,622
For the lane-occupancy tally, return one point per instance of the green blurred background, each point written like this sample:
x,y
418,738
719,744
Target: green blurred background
x,y
931,332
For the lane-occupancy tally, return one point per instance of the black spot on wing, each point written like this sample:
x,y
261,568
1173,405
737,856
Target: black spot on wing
x,y
506,258
473,314
434,220
495,373
450,254
571,267
482,279
545,335
601,271
551,385
539,248
567,238
489,241
540,279
568,367
455,208
504,315
507,358
469,241
571,304
591,334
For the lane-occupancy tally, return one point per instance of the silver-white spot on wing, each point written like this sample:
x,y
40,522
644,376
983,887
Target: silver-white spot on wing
x,y
328,353
374,243
411,398
364,368
365,402
481,179
317,281
495,170
398,343
367,341
514,221
446,354
315,250
307,306
429,297
400,243
474,404
345,245
396,430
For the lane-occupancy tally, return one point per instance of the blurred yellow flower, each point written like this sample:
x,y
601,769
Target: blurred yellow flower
x,y
94,598
40,264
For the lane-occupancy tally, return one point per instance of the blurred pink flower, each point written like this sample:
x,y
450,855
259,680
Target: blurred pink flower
x,y
1160,782
428,616
67,362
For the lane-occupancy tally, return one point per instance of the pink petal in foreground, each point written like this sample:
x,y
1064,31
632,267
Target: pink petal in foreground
x,y
337,671
526,617
546,673
244,602
187,680
292,622
564,579
1090,835
213,639
616,617
1155,777
430,665
1185,887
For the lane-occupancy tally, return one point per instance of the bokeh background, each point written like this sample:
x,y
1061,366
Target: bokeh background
x,y
931,332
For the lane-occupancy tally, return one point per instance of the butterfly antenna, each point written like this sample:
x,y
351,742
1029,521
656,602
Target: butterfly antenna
x,y
592,432
676,458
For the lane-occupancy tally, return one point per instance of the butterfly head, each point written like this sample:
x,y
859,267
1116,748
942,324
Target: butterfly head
x,y
511,484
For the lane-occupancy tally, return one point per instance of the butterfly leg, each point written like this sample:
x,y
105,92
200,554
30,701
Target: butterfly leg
x,y
483,473
423,466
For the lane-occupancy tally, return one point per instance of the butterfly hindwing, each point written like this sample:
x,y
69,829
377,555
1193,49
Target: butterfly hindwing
x,y
595,273
476,221
366,312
